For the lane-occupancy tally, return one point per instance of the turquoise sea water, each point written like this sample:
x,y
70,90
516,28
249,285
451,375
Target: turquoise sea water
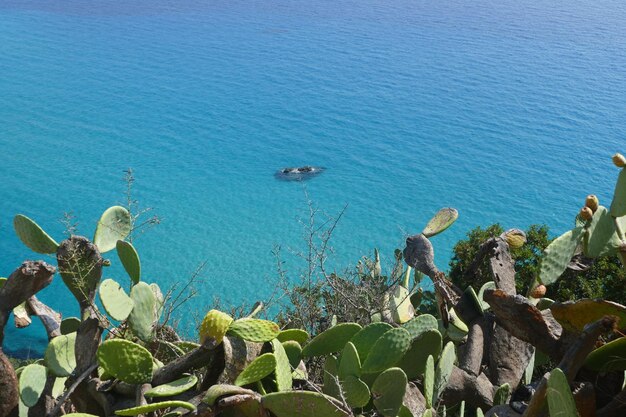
x,y
508,110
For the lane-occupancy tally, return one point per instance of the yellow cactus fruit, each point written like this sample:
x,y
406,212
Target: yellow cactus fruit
x,y
539,291
515,238
592,202
619,160
586,213
214,325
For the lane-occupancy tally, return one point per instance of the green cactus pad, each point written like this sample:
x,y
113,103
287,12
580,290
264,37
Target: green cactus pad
x,y
398,301
114,225
331,340
129,259
601,236
215,325
215,392
470,293
420,324
300,336
413,362
59,387
142,317
21,316
530,368
59,356
32,383
186,346
387,351
258,369
254,330
489,285
610,357
331,380
558,254
365,338
126,361
33,236
70,325
117,304
457,329
405,412
618,205
302,404
440,222
444,368
349,363
388,391
173,388
356,392
575,315
560,398
294,352
429,382
284,379
160,301
144,409
502,394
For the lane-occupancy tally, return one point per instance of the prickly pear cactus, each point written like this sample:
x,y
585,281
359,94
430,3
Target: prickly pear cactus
x,y
601,236
398,300
254,330
501,396
356,392
144,409
80,265
331,380
421,324
303,404
126,361
365,338
117,304
297,335
428,343
33,236
258,369
114,225
142,317
610,357
173,388
429,382
444,368
217,391
387,351
32,382
558,254
294,352
349,364
331,340
284,379
59,356
443,219
618,205
129,259
388,391
560,398
214,325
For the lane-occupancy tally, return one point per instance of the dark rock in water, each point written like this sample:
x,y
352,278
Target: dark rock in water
x,y
298,173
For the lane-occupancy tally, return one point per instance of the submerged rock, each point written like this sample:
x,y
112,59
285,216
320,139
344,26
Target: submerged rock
x,y
298,173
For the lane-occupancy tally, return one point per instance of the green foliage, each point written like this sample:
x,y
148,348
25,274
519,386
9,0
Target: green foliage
x,y
365,338
33,236
214,325
59,357
331,340
298,335
114,225
284,379
173,388
258,369
560,399
254,330
116,302
387,351
388,391
32,382
142,318
130,260
144,409
302,404
126,361
609,357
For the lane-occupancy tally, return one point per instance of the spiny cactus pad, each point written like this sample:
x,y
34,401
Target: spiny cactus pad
x,y
331,340
331,380
217,391
489,285
558,254
502,394
142,316
388,391
429,382
440,222
444,368
399,302
618,205
365,338
413,362
125,360
302,404
284,379
387,351
560,398
70,325
59,356
33,236
254,330
575,315
117,304
294,352
173,388
114,225
610,357
356,392
130,259
214,325
258,369
420,324
144,409
300,336
601,236
32,383
349,363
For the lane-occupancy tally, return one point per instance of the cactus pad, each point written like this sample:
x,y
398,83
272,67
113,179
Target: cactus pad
x,y
130,260
489,285
331,380
117,304
610,357
331,340
302,404
413,362
444,368
294,352
429,382
126,361
114,225
356,392
388,391
33,236
142,317
398,299
214,325
300,336
70,325
32,383
173,388
258,369
575,315
366,337
59,356
601,236
440,222
559,395
144,409
421,324
618,205
284,379
502,394
217,391
254,330
558,254
349,363
387,351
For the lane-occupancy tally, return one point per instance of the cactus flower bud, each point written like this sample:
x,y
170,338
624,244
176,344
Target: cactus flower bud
x,y
619,160
515,238
592,202
586,213
539,291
